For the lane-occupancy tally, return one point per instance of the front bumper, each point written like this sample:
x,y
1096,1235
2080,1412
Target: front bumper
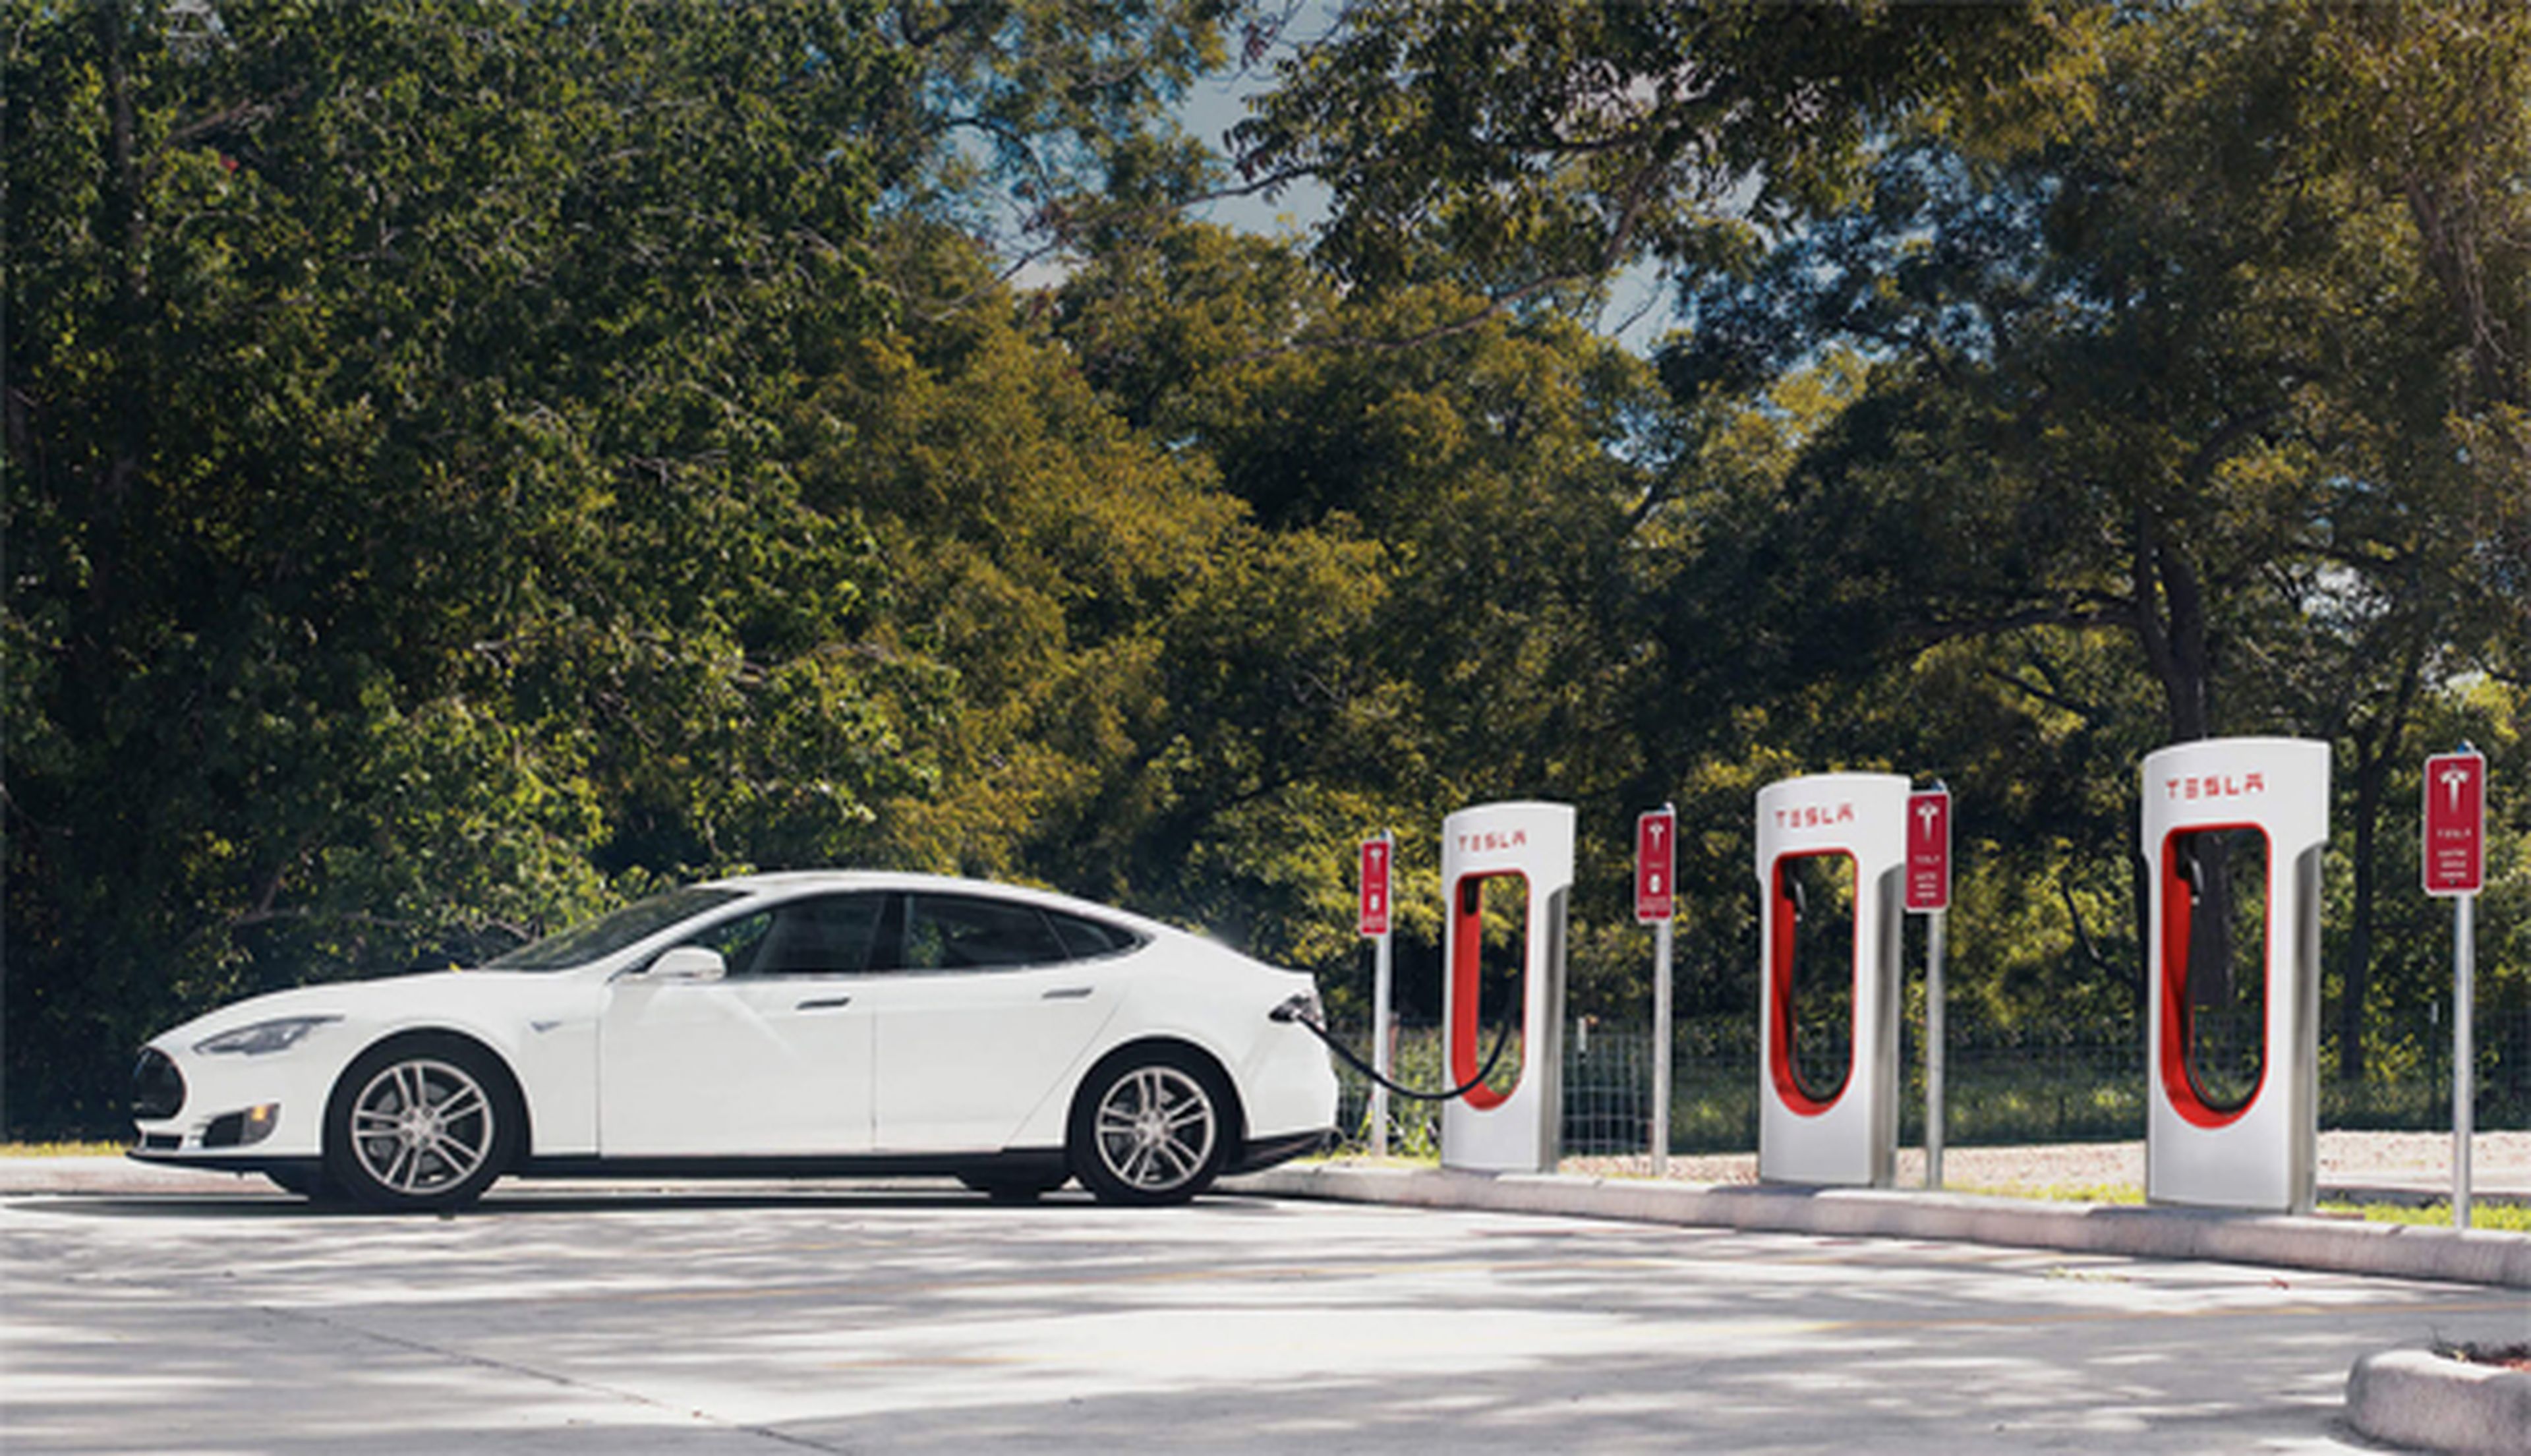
x,y
307,1170
229,1111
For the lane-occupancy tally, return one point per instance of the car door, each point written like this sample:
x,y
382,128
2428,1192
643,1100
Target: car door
x,y
991,1001
774,1059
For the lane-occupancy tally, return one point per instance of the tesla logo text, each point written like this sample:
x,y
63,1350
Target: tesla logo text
x,y
1492,839
2217,785
1811,815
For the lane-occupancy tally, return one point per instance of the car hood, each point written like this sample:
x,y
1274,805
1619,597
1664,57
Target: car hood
x,y
351,999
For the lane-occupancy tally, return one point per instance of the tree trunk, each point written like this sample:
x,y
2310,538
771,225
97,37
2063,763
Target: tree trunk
x,y
2175,648
2355,976
2377,744
2171,628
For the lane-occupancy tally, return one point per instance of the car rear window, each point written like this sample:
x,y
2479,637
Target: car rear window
x,y
1084,938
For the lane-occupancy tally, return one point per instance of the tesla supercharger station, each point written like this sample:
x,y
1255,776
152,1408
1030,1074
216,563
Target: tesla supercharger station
x,y
2233,830
1832,862
1502,861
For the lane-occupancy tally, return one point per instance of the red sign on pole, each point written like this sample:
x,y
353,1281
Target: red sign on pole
x,y
1375,885
2455,823
1929,850
1655,864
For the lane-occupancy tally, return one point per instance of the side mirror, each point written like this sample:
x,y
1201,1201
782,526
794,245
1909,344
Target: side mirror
x,y
692,963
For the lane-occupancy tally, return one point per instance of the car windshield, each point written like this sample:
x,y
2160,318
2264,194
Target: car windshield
x,y
607,934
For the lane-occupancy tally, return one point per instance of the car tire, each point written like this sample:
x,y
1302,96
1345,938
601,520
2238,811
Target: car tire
x,y
1151,1125
420,1124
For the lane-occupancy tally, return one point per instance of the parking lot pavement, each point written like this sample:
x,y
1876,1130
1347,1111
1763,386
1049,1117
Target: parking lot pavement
x,y
909,1319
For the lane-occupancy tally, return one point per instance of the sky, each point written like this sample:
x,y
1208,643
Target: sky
x,y
1638,311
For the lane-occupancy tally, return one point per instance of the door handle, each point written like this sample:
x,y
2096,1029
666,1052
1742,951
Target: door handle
x,y
1068,994
824,1003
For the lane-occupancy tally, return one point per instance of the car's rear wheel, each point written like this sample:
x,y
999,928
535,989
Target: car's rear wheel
x,y
1151,1125
420,1124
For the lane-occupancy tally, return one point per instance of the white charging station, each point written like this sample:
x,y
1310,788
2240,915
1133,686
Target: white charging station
x,y
2233,832
1831,851
1506,856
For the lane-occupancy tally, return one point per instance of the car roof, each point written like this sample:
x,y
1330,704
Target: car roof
x,y
788,883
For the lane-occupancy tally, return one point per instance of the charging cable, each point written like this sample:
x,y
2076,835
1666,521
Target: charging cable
x,y
1301,1011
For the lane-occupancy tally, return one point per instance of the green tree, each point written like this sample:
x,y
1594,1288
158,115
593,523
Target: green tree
x,y
1424,616
1524,150
2184,368
401,535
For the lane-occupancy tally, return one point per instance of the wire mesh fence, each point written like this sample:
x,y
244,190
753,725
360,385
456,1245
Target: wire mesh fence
x,y
2000,1087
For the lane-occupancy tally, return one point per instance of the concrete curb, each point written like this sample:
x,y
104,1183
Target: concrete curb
x,y
2417,1398
2337,1246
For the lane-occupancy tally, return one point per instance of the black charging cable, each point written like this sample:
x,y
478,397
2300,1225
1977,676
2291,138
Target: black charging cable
x,y
1296,1012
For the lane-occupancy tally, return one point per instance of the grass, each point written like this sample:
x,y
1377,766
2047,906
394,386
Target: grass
x,y
2512,1219
2505,1217
61,1150
2060,1193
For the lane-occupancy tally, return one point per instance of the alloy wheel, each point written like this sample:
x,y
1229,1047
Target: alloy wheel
x,y
1155,1128
423,1126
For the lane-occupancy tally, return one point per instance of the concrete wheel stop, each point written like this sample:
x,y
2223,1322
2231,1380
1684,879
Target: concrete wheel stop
x,y
2435,1401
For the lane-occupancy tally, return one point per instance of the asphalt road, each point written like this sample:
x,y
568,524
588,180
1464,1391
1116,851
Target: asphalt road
x,y
555,1319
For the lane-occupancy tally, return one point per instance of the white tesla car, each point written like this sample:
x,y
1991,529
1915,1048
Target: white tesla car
x,y
819,1023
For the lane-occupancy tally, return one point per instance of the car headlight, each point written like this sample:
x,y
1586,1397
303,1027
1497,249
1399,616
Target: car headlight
x,y
263,1037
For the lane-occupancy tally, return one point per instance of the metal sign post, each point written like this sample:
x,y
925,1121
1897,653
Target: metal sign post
x,y
1656,901
1929,893
1374,922
2455,867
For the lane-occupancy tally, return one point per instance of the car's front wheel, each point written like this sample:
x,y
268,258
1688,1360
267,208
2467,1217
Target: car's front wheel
x,y
420,1124
1151,1125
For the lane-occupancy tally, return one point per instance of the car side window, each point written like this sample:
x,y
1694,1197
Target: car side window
x,y
958,932
827,936
738,940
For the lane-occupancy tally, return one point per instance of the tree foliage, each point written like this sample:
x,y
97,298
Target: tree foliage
x,y
469,460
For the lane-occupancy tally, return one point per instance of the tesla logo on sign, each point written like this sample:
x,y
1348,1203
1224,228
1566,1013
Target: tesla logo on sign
x,y
1493,841
2455,822
1929,850
1375,886
1655,864
2217,785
